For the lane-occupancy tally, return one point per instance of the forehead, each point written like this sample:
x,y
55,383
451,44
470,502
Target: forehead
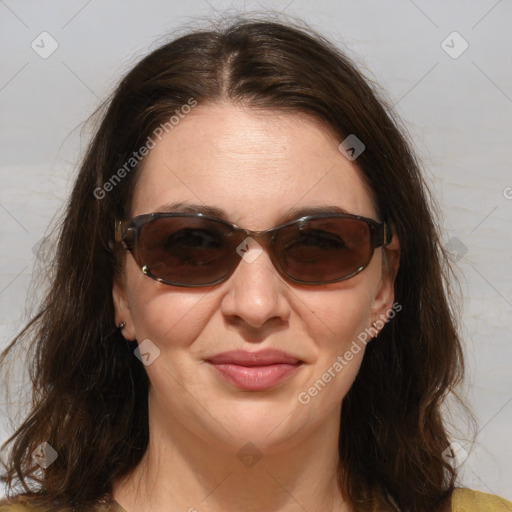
x,y
254,165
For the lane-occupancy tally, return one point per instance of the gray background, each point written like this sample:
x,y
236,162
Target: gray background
x,y
457,110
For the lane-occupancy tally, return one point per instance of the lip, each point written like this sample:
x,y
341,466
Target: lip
x,y
255,371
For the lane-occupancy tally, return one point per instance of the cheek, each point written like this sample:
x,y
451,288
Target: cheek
x,y
336,325
343,311
336,321
162,313
336,318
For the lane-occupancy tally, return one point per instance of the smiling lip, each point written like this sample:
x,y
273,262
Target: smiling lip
x,y
255,371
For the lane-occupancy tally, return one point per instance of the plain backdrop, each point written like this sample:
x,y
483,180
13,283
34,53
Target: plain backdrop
x,y
444,65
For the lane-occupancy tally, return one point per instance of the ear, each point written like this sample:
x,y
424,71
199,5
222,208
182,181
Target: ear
x,y
383,303
122,308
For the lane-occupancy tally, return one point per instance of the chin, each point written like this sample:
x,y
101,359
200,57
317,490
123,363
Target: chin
x,y
267,426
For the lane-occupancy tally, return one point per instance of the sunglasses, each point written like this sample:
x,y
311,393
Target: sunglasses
x,y
193,249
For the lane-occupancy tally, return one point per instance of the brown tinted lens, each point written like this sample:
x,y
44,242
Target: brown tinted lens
x,y
323,250
187,250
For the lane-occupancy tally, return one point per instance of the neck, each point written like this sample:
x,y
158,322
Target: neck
x,y
182,470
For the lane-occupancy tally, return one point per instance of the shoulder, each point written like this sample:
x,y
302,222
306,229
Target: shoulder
x,y
466,500
15,505
21,504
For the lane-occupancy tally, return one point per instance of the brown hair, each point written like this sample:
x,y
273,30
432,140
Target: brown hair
x,y
90,392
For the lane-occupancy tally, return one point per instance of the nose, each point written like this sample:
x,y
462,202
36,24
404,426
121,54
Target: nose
x,y
255,289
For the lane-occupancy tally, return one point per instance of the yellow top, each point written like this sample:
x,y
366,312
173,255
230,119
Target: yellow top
x,y
463,500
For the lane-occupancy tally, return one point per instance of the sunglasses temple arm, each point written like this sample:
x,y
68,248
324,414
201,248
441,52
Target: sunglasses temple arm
x,y
118,231
124,236
385,235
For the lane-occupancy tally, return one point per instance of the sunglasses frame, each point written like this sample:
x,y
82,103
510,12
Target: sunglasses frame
x,y
127,233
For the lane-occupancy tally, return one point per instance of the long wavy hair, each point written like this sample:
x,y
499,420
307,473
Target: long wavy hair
x,y
89,392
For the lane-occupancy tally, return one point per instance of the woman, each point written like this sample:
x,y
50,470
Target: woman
x,y
249,308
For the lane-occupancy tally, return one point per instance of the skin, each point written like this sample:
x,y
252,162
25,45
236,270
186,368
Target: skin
x,y
255,165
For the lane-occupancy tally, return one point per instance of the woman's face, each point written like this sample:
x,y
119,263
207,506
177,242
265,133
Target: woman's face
x,y
254,166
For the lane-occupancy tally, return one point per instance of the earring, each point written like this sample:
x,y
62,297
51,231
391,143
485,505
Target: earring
x,y
121,326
